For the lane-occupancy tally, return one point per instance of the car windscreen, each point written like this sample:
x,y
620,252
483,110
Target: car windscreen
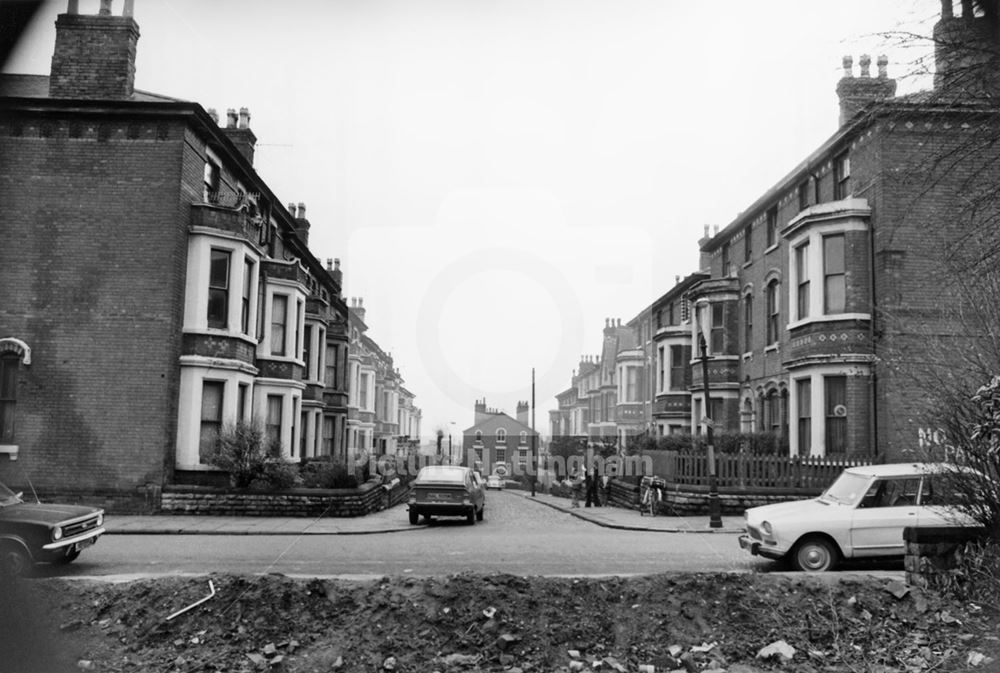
x,y
440,475
7,496
848,489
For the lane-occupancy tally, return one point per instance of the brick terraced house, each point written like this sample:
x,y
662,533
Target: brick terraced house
x,y
821,303
154,289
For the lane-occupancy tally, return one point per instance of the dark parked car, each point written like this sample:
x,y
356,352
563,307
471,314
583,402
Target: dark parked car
x,y
34,532
447,490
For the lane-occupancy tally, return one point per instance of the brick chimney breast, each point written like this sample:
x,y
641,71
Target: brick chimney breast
x,y
857,93
238,131
966,51
94,55
301,223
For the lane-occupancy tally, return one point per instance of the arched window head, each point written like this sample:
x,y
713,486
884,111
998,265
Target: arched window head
x,y
501,436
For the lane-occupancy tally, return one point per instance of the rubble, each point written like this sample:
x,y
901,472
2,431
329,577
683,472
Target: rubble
x,y
693,623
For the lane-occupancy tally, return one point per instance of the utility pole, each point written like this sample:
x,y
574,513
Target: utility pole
x,y
714,511
534,438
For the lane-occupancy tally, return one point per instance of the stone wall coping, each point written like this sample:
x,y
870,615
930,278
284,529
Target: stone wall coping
x,y
186,489
935,534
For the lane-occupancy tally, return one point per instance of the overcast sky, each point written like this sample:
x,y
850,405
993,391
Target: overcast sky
x,y
497,177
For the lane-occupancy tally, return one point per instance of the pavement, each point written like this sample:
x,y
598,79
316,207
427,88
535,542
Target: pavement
x,y
395,520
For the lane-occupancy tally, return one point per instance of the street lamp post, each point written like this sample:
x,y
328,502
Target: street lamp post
x,y
714,511
534,438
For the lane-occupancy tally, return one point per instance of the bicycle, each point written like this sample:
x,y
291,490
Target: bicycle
x,y
650,495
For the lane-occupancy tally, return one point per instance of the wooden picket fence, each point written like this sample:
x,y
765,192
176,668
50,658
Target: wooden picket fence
x,y
758,474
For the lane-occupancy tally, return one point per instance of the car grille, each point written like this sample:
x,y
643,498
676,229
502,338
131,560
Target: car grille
x,y
79,527
754,533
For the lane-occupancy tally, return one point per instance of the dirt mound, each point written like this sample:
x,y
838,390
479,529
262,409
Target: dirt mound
x,y
492,623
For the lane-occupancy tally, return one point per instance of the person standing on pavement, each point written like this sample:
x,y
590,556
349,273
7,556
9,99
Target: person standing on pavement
x,y
593,481
576,485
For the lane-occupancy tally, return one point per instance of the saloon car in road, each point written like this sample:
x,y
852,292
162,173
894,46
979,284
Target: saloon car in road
x,y
494,481
447,490
41,532
861,515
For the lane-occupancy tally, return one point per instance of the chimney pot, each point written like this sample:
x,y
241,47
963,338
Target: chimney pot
x,y
706,231
73,7
291,209
329,264
336,263
231,118
302,211
947,11
883,66
214,114
865,62
244,119
129,8
848,63
105,9
715,231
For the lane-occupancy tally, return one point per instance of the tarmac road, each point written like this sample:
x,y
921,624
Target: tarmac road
x,y
518,536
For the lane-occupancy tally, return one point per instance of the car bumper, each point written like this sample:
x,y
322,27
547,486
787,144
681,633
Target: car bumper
x,y
757,548
84,540
441,509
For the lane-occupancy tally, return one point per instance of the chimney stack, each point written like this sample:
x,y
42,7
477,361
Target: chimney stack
x,y
966,52
857,93
301,223
94,56
239,133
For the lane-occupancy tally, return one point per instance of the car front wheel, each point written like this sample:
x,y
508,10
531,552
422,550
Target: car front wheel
x,y
14,561
471,515
815,554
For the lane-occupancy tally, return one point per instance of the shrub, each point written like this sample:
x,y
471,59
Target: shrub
x,y
752,443
977,575
277,475
251,460
327,473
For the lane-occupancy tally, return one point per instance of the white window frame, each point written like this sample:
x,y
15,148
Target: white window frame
x,y
200,246
813,235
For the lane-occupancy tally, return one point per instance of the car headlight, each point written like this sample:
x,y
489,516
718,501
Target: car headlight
x,y
100,520
57,533
766,527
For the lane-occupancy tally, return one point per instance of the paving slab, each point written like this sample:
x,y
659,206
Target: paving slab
x,y
611,516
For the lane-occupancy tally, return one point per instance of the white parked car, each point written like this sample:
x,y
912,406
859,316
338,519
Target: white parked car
x,y
861,515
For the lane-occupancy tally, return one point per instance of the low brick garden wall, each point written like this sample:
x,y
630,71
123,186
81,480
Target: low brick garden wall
x,y
692,501
371,496
934,553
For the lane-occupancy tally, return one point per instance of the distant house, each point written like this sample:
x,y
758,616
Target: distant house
x,y
496,442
